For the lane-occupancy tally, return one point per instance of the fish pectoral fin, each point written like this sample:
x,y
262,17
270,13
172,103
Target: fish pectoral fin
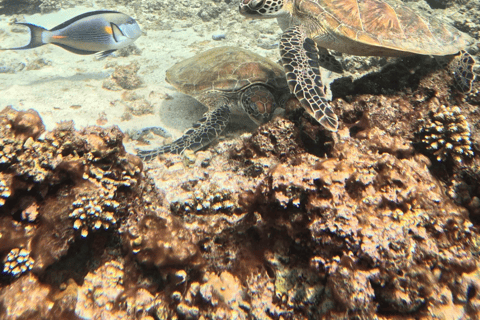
x,y
103,54
117,33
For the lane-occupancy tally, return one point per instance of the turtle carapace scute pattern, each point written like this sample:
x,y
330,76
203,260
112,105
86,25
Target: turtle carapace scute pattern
x,y
228,81
358,27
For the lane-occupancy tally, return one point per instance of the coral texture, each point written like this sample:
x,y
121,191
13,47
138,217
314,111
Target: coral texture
x,y
286,222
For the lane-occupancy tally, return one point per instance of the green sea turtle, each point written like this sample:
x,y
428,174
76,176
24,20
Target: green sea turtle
x,y
357,27
227,80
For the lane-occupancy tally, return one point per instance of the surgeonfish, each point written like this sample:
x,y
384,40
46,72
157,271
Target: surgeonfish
x,y
93,32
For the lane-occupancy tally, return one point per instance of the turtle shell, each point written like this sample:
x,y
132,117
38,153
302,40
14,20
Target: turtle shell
x,y
381,27
228,69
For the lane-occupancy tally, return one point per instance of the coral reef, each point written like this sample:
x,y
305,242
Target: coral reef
x,y
284,222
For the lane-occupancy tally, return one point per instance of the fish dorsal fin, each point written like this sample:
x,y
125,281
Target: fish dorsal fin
x,y
79,17
117,33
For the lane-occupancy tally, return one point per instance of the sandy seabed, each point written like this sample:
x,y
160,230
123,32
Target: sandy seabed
x,y
64,86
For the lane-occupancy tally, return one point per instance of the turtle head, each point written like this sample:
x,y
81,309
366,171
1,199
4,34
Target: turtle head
x,y
262,8
259,103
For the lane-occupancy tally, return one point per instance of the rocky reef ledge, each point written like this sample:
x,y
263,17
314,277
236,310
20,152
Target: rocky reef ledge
x,y
376,222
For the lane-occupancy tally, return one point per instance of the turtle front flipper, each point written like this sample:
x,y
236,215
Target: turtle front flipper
x,y
300,60
462,68
138,134
204,132
328,61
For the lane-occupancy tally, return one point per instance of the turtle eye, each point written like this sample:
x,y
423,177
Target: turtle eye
x,y
256,4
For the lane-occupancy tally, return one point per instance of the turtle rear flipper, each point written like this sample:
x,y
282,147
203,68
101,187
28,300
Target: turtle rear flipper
x,y
204,132
300,60
462,68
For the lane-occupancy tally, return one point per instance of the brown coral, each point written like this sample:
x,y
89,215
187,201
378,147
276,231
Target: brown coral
x,y
16,304
27,124
288,222
99,291
155,241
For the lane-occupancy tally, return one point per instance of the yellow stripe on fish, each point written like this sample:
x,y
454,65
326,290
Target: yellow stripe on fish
x,y
108,30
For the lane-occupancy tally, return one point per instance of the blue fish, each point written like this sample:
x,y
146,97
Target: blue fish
x,y
100,32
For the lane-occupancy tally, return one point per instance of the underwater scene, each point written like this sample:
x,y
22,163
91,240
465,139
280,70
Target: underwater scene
x,y
239,159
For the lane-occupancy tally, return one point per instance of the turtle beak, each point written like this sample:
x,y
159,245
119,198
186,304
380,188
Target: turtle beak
x,y
249,8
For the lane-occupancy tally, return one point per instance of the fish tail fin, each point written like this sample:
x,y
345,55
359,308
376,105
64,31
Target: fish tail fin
x,y
36,39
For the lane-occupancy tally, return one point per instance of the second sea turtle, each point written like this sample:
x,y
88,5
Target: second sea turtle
x,y
227,80
357,27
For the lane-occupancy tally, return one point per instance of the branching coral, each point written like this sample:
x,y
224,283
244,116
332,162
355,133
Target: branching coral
x,y
4,190
214,201
446,134
97,207
90,212
18,261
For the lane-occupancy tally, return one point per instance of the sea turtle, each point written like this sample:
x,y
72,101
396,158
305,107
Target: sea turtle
x,y
227,80
357,27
